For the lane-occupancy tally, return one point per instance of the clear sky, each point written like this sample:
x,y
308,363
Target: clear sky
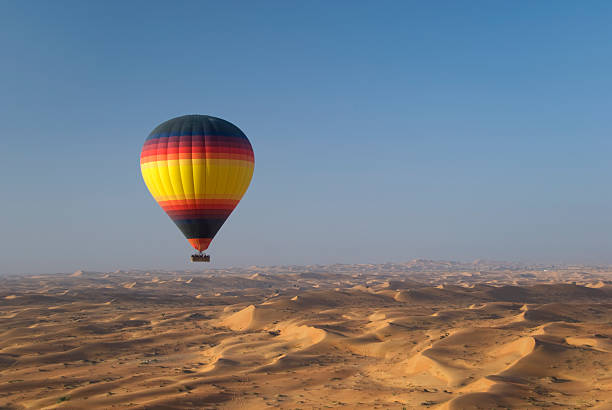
x,y
382,131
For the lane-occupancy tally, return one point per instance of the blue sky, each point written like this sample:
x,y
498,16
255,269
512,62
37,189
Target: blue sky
x,y
382,131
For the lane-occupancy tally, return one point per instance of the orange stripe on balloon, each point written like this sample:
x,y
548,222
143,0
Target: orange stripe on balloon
x,y
200,244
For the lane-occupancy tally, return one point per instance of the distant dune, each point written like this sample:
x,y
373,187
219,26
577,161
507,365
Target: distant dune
x,y
423,334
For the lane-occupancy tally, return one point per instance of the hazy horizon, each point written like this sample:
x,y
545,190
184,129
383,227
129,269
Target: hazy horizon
x,y
198,269
381,134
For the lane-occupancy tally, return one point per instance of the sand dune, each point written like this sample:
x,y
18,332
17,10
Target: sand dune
x,y
290,337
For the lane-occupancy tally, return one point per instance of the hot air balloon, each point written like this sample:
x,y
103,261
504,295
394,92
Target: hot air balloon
x,y
197,168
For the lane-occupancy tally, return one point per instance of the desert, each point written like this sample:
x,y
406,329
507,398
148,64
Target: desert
x,y
421,334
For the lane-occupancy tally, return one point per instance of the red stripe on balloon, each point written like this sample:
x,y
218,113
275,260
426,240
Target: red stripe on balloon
x,y
198,139
237,157
196,149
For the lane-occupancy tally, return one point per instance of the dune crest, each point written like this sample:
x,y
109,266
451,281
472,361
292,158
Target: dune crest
x,y
241,320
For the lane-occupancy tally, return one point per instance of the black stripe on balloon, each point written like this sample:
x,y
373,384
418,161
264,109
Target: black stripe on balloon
x,y
199,228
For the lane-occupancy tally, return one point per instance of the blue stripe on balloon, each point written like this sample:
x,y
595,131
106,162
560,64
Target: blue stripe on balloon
x,y
170,134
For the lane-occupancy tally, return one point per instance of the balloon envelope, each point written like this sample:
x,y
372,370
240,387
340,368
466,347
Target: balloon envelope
x,y
197,168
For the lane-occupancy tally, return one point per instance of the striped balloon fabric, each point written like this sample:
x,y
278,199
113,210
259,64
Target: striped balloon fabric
x,y
197,168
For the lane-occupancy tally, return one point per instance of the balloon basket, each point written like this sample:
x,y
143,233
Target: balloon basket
x,y
199,257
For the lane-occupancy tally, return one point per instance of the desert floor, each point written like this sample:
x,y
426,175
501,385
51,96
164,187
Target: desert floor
x,y
416,335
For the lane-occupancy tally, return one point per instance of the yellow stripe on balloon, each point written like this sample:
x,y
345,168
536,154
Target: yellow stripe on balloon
x,y
178,181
